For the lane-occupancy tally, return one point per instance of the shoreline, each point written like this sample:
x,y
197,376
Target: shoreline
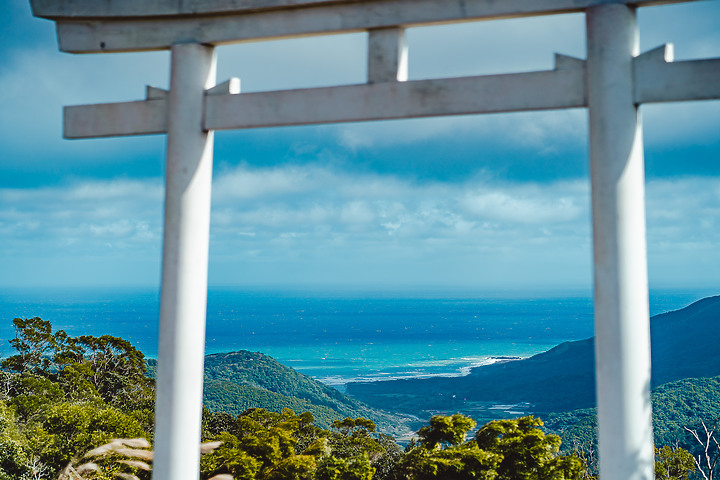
x,y
340,383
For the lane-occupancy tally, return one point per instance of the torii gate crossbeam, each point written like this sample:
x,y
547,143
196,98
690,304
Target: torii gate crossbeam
x,y
611,83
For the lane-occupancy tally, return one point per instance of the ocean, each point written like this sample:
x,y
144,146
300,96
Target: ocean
x,y
337,337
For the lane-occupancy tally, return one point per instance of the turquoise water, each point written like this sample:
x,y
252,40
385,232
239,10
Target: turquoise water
x,y
338,337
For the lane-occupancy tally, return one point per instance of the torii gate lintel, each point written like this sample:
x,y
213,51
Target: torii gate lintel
x,y
657,79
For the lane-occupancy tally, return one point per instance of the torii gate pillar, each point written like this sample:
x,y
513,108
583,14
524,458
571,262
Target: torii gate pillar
x,y
181,349
622,327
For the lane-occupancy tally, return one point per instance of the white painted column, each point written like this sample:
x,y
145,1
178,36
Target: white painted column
x,y
622,330
183,302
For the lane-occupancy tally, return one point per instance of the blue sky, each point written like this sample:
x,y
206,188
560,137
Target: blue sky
x,y
485,202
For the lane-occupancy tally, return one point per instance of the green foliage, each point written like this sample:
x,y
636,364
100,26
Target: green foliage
x,y
456,462
34,342
260,444
60,431
32,392
352,437
117,370
50,365
502,449
229,458
68,394
676,405
445,430
673,463
355,446
352,468
681,404
348,425
297,467
527,452
13,458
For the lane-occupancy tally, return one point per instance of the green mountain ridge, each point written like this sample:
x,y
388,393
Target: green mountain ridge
x,y
684,345
240,380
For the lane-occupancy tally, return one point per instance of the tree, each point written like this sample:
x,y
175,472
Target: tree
x,y
707,461
352,437
441,454
350,425
445,430
32,392
14,461
673,463
503,449
84,368
60,431
34,342
260,444
117,370
357,467
527,452
454,462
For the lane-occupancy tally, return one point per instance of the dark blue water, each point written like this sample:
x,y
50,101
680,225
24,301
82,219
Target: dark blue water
x,y
337,337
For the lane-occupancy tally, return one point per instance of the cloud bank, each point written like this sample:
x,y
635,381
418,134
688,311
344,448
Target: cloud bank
x,y
315,225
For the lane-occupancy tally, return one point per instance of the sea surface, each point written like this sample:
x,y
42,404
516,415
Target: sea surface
x,y
338,337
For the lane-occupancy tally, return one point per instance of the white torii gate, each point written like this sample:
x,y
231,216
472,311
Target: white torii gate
x,y
611,83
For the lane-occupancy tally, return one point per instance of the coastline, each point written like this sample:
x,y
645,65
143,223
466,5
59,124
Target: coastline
x,y
341,383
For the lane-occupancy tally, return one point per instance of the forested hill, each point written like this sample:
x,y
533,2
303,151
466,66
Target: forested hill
x,y
684,345
676,405
240,380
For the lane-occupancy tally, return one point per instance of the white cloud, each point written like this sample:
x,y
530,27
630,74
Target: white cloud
x,y
332,226
684,213
245,183
539,130
357,212
324,203
84,216
530,203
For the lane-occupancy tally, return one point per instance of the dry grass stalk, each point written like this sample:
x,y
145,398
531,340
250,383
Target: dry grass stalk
x,y
208,447
136,464
103,449
69,473
132,448
134,453
126,476
117,443
134,442
87,467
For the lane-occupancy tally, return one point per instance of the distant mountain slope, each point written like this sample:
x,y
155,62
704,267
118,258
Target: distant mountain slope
x,y
684,344
234,398
240,380
262,371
